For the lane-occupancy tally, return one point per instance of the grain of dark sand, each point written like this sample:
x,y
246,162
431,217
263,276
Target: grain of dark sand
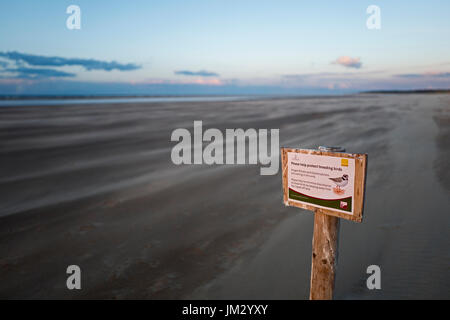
x,y
94,185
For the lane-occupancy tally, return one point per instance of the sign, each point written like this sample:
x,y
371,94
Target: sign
x,y
333,182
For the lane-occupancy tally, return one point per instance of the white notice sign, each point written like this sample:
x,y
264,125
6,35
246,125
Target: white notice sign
x,y
322,181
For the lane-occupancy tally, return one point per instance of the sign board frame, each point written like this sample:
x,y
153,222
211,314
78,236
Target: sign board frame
x,y
359,183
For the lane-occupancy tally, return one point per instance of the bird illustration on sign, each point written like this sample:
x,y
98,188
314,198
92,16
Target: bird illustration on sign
x,y
340,183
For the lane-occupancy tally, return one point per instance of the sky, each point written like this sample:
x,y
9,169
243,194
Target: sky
x,y
222,47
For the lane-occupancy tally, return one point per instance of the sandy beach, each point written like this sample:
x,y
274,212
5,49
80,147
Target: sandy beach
x,y
94,185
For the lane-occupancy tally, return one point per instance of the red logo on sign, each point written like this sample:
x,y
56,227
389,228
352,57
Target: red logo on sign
x,y
343,205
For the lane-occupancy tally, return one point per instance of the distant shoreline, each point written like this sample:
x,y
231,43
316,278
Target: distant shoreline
x,y
408,91
69,97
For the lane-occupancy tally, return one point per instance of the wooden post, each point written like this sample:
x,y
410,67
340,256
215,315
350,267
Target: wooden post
x,y
299,190
324,256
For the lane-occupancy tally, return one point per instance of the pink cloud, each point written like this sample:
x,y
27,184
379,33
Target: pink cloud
x,y
200,81
348,62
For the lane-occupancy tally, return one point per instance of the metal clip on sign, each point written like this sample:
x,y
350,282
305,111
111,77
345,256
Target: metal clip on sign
x,y
331,149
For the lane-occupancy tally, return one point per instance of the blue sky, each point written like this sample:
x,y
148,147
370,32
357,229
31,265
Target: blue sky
x,y
222,47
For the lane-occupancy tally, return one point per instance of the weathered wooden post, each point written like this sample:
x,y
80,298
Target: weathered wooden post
x,y
324,256
308,180
325,247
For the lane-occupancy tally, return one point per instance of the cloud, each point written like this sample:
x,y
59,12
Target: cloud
x,y
35,73
410,75
199,81
317,75
348,62
88,64
424,75
201,73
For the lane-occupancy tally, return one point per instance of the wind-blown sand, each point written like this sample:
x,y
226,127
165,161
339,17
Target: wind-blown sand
x,y
94,185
